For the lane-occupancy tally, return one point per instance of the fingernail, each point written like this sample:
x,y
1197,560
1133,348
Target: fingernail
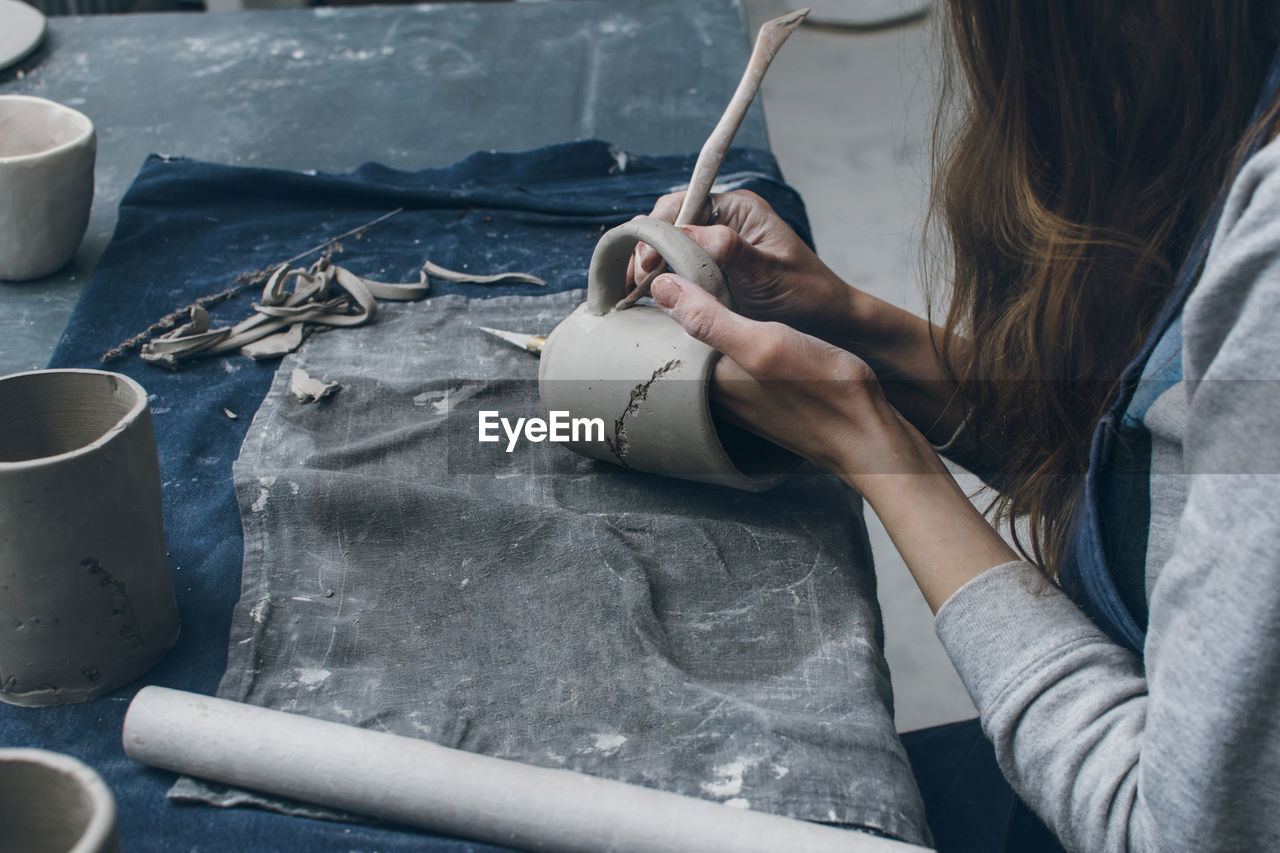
x,y
666,290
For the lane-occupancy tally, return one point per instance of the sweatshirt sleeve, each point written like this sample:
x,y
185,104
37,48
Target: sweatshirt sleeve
x,y
1179,750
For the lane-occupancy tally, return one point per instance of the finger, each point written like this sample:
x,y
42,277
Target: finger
x,y
703,317
644,259
740,208
668,206
766,351
733,392
633,274
721,242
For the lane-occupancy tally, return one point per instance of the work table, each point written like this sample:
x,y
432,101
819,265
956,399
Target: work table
x,y
328,89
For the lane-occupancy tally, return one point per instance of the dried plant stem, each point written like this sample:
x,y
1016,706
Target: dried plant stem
x,y
181,315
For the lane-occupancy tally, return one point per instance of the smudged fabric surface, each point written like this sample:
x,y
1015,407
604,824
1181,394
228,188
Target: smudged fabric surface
x,y
539,606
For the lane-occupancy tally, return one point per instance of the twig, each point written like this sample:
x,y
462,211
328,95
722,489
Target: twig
x,y
173,318
771,38
354,232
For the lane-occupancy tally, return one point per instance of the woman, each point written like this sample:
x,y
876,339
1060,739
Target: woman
x,y
1126,664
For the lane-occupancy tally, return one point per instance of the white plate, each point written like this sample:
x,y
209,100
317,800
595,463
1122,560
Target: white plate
x,y
21,29
865,14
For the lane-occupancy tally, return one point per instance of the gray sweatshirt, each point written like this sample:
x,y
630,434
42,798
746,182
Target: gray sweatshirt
x,y
1180,751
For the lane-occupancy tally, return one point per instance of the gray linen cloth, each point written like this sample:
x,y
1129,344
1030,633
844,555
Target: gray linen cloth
x,y
399,575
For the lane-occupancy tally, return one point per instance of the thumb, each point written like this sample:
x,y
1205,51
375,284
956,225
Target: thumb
x,y
703,316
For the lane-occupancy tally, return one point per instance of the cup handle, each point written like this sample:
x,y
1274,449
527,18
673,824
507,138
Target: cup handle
x,y
607,277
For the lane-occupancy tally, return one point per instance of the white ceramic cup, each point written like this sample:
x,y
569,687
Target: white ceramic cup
x,y
47,153
645,378
52,803
88,602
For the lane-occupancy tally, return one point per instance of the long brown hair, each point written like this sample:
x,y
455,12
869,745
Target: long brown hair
x,y
1079,145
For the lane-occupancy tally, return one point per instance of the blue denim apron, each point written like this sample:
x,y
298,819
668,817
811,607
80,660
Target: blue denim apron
x,y
1086,575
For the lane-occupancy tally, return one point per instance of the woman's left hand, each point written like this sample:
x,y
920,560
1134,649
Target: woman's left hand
x,y
815,399
826,405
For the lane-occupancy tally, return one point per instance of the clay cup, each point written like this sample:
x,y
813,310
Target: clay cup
x,y
88,602
638,372
52,803
47,153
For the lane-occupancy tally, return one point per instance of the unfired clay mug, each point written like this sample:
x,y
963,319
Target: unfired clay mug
x,y
47,153
52,803
86,598
645,378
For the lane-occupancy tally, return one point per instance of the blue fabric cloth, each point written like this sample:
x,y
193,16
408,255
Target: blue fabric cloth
x,y
187,229
1105,566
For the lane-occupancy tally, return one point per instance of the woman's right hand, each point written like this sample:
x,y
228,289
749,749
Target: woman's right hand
x,y
771,273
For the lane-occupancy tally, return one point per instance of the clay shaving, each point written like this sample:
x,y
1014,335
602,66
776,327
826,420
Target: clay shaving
x,y
323,296
244,281
307,390
295,303
437,271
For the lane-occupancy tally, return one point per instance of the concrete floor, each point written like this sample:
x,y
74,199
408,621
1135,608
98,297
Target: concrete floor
x,y
849,120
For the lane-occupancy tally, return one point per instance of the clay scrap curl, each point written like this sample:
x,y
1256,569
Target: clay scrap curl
x,y
295,303
437,271
305,389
